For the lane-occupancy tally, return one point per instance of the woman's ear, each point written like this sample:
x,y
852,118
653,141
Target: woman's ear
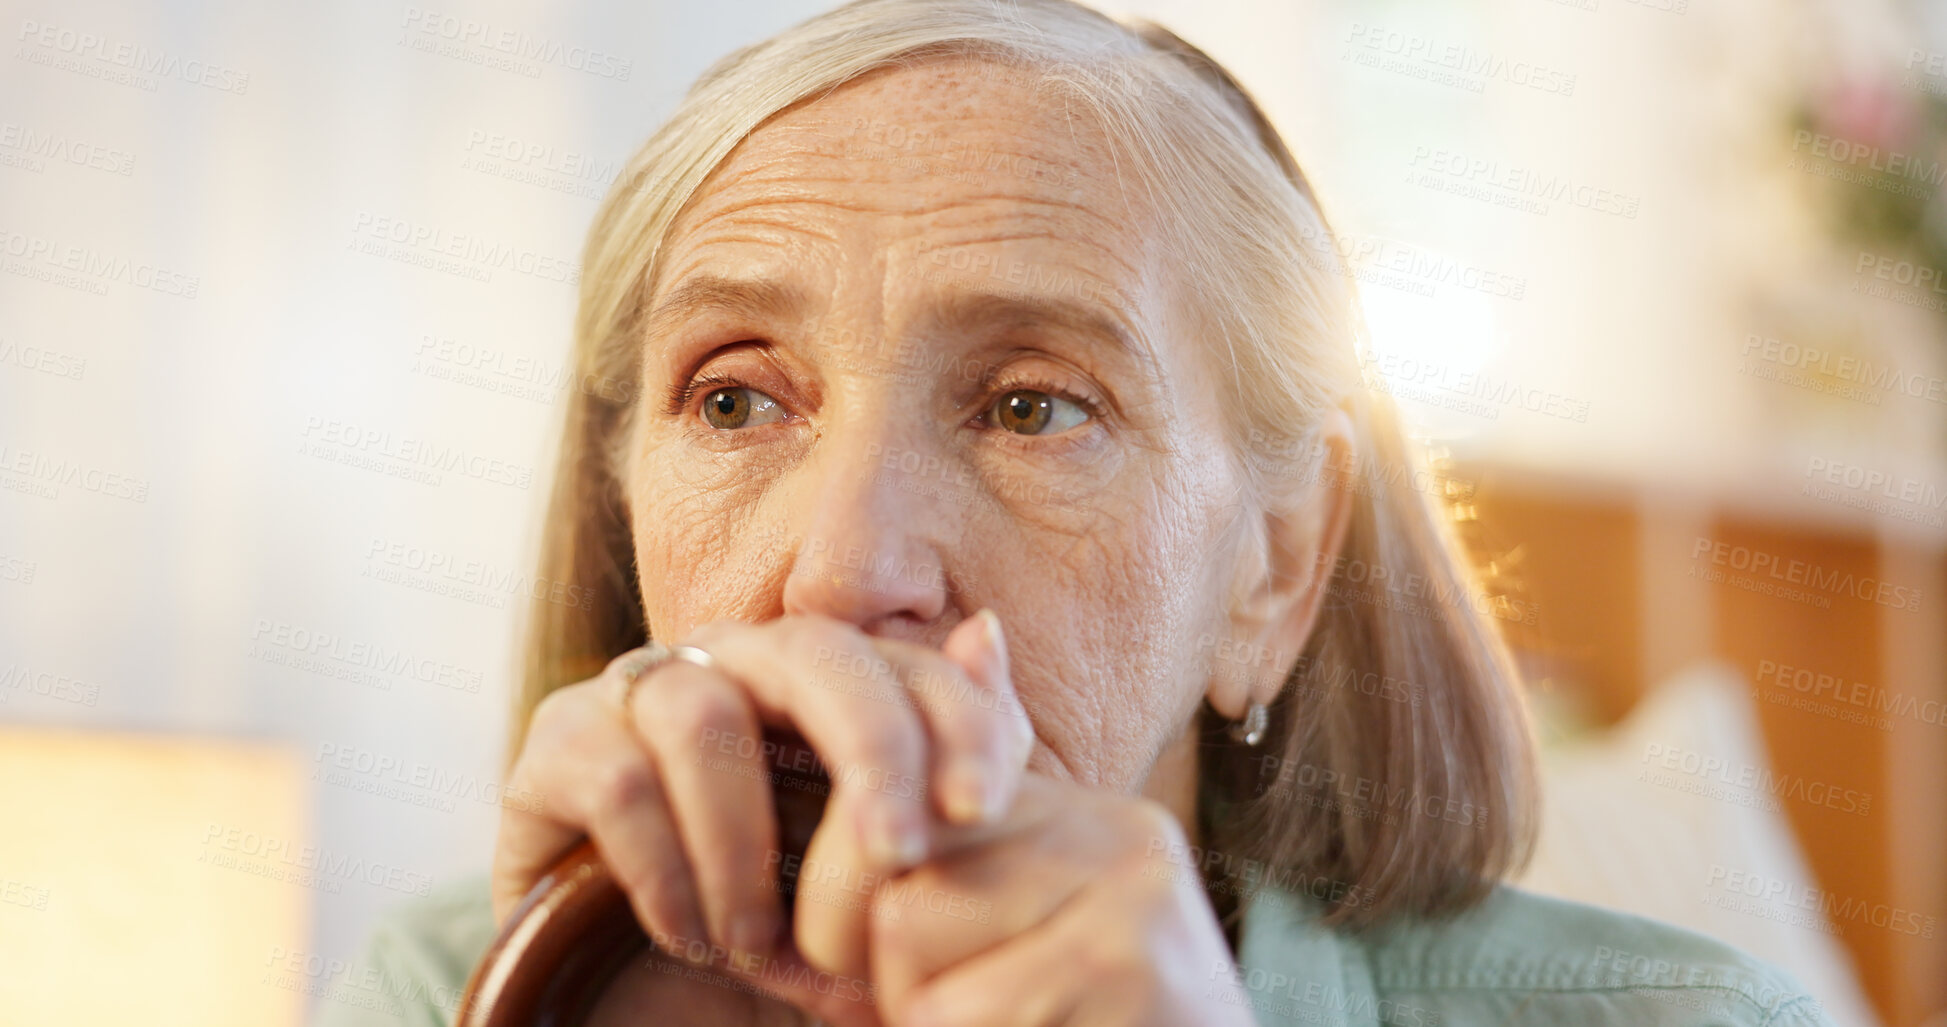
x,y
1282,579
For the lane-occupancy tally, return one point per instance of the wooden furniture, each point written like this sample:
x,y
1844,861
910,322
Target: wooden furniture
x,y
1624,587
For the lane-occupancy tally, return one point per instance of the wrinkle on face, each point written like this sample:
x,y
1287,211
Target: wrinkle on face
x,y
879,499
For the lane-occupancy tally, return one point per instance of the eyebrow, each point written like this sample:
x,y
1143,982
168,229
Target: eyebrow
x,y
958,311
756,299
965,311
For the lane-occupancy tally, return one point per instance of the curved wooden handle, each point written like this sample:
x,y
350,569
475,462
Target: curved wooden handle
x,y
575,930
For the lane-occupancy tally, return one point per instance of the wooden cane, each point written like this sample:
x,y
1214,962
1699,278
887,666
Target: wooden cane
x,y
575,930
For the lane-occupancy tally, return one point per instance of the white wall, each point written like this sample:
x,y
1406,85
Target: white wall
x,y
216,404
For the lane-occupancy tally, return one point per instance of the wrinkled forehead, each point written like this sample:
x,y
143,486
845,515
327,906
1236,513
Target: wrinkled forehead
x,y
1014,182
942,130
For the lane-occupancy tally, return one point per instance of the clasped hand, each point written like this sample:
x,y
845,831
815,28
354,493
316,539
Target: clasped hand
x,y
946,884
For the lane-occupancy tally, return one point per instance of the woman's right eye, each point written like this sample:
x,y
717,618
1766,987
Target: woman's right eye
x,y
739,407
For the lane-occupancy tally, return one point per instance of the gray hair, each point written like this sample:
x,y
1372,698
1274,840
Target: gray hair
x,y
1245,226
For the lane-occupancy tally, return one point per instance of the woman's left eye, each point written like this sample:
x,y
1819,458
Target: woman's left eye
x,y
739,407
1033,412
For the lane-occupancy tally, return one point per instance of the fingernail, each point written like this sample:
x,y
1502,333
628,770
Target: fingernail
x,y
990,629
689,929
900,840
695,929
967,791
752,931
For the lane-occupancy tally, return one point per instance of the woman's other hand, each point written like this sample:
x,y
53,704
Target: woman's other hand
x,y
1080,907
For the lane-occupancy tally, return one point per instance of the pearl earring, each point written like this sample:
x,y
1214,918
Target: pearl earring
x,y
1250,730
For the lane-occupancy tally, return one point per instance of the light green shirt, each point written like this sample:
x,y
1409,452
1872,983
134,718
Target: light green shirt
x,y
1517,958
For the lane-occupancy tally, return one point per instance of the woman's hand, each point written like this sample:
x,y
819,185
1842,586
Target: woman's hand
x,y
675,790
1078,908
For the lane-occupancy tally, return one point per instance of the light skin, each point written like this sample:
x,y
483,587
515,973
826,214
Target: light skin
x,y
915,352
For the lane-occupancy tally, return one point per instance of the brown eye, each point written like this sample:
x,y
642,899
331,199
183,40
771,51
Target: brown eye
x,y
1032,412
738,407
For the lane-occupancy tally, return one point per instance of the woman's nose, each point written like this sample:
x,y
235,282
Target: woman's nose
x,y
872,537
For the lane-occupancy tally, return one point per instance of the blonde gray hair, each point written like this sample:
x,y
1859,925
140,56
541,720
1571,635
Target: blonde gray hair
x,y
1246,227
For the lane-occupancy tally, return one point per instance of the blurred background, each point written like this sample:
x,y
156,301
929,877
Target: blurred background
x,y
283,327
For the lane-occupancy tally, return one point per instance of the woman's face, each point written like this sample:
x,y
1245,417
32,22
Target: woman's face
x,y
915,349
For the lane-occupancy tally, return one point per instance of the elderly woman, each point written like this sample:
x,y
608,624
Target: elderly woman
x,y
990,418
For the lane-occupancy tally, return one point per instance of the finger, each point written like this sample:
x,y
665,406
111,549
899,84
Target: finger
x,y
825,679
833,999
525,846
980,734
1003,881
709,754
835,886
534,836
600,782
1009,985
1133,950
991,884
